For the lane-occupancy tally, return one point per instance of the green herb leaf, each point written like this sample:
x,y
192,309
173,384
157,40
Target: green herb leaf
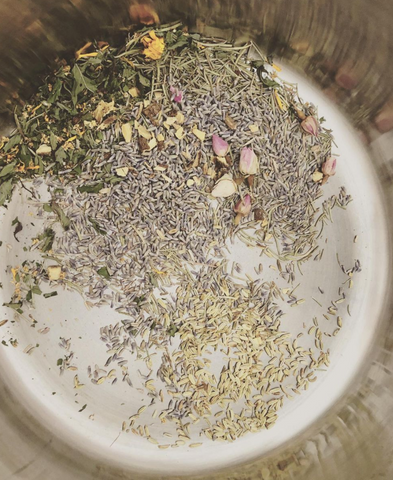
x,y
81,83
269,83
10,168
25,155
64,220
12,142
53,141
91,188
258,64
48,236
47,208
144,80
181,42
13,305
172,330
195,36
169,38
60,155
5,191
103,271
36,290
18,228
50,294
96,226
59,362
56,91
84,406
140,300
113,179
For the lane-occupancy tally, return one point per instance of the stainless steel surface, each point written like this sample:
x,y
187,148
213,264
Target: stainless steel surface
x,y
346,49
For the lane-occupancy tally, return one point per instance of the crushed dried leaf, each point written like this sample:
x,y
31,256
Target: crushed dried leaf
x,y
54,272
44,150
102,109
230,122
199,134
122,171
126,130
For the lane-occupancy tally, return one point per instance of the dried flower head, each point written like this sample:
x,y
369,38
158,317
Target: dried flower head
x,y
154,46
220,146
310,125
177,95
329,166
243,206
248,162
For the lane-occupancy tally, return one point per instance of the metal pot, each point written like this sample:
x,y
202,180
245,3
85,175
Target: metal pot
x,y
346,49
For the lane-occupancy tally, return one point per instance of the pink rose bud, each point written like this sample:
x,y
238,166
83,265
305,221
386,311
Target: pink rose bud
x,y
310,125
243,206
220,146
177,95
248,162
329,166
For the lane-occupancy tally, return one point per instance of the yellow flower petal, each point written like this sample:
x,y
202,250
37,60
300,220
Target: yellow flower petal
x,y
154,46
281,102
14,271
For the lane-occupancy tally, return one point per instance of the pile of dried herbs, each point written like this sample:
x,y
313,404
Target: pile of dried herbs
x,y
157,156
65,119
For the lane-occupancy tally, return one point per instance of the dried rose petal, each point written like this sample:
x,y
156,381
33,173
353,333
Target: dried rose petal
x,y
177,95
225,187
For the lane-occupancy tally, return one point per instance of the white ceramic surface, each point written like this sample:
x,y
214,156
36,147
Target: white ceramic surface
x,y
51,398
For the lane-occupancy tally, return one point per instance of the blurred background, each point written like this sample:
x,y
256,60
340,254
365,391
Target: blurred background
x,y
346,48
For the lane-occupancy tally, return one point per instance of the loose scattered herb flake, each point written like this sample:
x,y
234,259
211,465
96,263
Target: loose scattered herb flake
x,y
50,294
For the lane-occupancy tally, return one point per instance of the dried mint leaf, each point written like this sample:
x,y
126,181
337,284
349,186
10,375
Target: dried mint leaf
x,y
50,294
144,80
103,271
96,226
172,330
15,140
48,236
47,208
13,305
91,188
5,191
64,220
18,227
181,42
81,83
8,169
